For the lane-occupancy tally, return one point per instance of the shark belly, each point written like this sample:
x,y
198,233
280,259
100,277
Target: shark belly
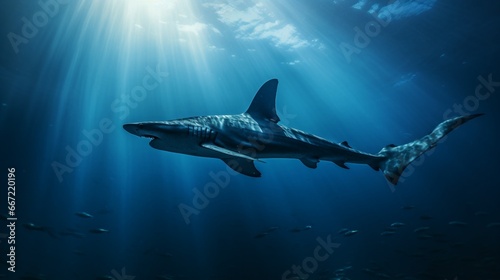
x,y
186,146
292,148
273,143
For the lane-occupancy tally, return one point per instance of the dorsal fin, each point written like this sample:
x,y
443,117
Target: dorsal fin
x,y
345,144
264,103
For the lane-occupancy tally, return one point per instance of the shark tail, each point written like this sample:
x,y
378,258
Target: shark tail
x,y
397,158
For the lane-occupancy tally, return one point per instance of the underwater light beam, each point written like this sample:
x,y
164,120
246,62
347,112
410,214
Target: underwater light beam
x,y
93,138
48,10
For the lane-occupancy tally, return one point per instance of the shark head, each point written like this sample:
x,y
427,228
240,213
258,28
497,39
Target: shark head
x,y
162,133
173,136
155,130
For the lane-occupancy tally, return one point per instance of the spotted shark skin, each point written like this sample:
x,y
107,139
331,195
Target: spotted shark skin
x,y
240,140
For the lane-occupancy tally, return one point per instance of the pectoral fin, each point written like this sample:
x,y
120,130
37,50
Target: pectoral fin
x,y
310,162
227,152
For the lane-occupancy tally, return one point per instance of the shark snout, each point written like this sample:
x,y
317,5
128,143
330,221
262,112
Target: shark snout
x,y
141,130
147,129
132,128
156,130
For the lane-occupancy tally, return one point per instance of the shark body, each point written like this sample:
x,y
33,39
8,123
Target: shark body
x,y
240,140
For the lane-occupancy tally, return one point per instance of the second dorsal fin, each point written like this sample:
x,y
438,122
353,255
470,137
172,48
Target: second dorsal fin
x,y
345,144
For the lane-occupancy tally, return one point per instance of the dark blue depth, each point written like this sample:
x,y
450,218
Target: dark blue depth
x,y
94,202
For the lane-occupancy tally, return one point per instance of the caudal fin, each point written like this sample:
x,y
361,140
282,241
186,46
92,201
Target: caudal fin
x,y
399,157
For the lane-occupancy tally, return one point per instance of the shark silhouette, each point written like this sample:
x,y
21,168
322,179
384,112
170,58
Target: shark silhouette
x,y
240,140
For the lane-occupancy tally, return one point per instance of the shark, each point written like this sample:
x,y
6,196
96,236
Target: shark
x,y
241,140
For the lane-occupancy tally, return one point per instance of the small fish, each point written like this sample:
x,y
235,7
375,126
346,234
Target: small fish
x,y
271,229
50,231
494,224
481,213
425,217
98,230
266,232
387,233
71,233
343,230
262,234
31,226
351,232
397,225
84,215
457,224
299,229
343,269
369,271
420,229
408,207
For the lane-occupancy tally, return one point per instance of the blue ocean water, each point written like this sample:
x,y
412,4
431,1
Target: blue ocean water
x,y
369,72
